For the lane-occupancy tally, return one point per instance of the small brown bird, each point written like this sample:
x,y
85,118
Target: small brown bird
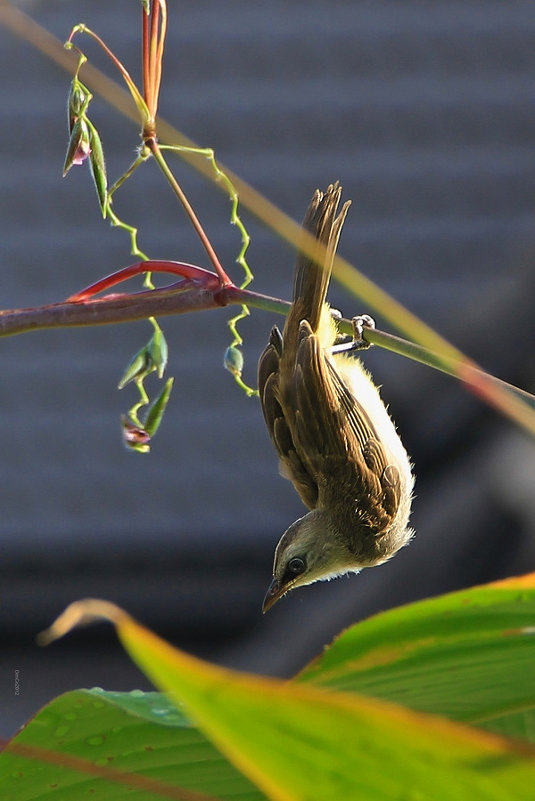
x,y
331,430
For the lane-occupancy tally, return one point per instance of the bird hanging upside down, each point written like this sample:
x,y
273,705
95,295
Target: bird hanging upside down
x,y
331,430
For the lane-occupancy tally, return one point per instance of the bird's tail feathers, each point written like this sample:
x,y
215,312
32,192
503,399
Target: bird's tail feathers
x,y
312,275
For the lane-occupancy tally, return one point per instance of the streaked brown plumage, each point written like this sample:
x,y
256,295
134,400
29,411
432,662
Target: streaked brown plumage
x,y
331,430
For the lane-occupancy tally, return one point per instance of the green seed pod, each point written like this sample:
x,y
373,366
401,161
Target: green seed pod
x,y
233,360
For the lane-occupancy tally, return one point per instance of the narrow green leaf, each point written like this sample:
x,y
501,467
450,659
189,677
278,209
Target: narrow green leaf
x,y
97,167
156,411
139,365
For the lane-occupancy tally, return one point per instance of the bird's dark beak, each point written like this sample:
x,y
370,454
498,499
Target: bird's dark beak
x,y
275,591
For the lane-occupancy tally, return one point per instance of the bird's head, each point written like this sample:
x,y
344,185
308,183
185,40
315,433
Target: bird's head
x,y
311,549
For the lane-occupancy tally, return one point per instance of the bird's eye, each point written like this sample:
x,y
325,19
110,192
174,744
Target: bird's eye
x,y
296,565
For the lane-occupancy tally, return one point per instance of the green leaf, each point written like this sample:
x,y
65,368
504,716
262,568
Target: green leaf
x,y
140,740
468,655
156,411
139,366
97,166
298,742
151,357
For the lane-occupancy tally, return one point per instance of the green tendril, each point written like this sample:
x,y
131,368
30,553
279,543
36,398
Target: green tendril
x,y
235,219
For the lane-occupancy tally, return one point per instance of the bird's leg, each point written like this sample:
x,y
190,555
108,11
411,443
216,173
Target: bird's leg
x,y
359,323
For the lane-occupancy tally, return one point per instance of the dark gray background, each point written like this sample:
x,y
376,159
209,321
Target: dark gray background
x,y
426,113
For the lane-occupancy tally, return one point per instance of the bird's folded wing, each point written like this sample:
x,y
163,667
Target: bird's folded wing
x,y
336,440
291,464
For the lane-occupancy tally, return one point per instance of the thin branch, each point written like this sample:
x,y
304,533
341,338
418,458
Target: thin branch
x,y
182,298
468,372
124,307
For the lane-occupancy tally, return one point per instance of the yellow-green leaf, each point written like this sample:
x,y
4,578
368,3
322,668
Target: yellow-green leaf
x,y
299,743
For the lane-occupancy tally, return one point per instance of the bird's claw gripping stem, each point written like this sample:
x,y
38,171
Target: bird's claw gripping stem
x,y
359,323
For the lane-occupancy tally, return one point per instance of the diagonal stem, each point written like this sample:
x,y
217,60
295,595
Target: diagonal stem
x,y
218,267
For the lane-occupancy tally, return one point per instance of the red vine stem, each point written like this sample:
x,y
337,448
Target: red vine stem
x,y
193,274
145,53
